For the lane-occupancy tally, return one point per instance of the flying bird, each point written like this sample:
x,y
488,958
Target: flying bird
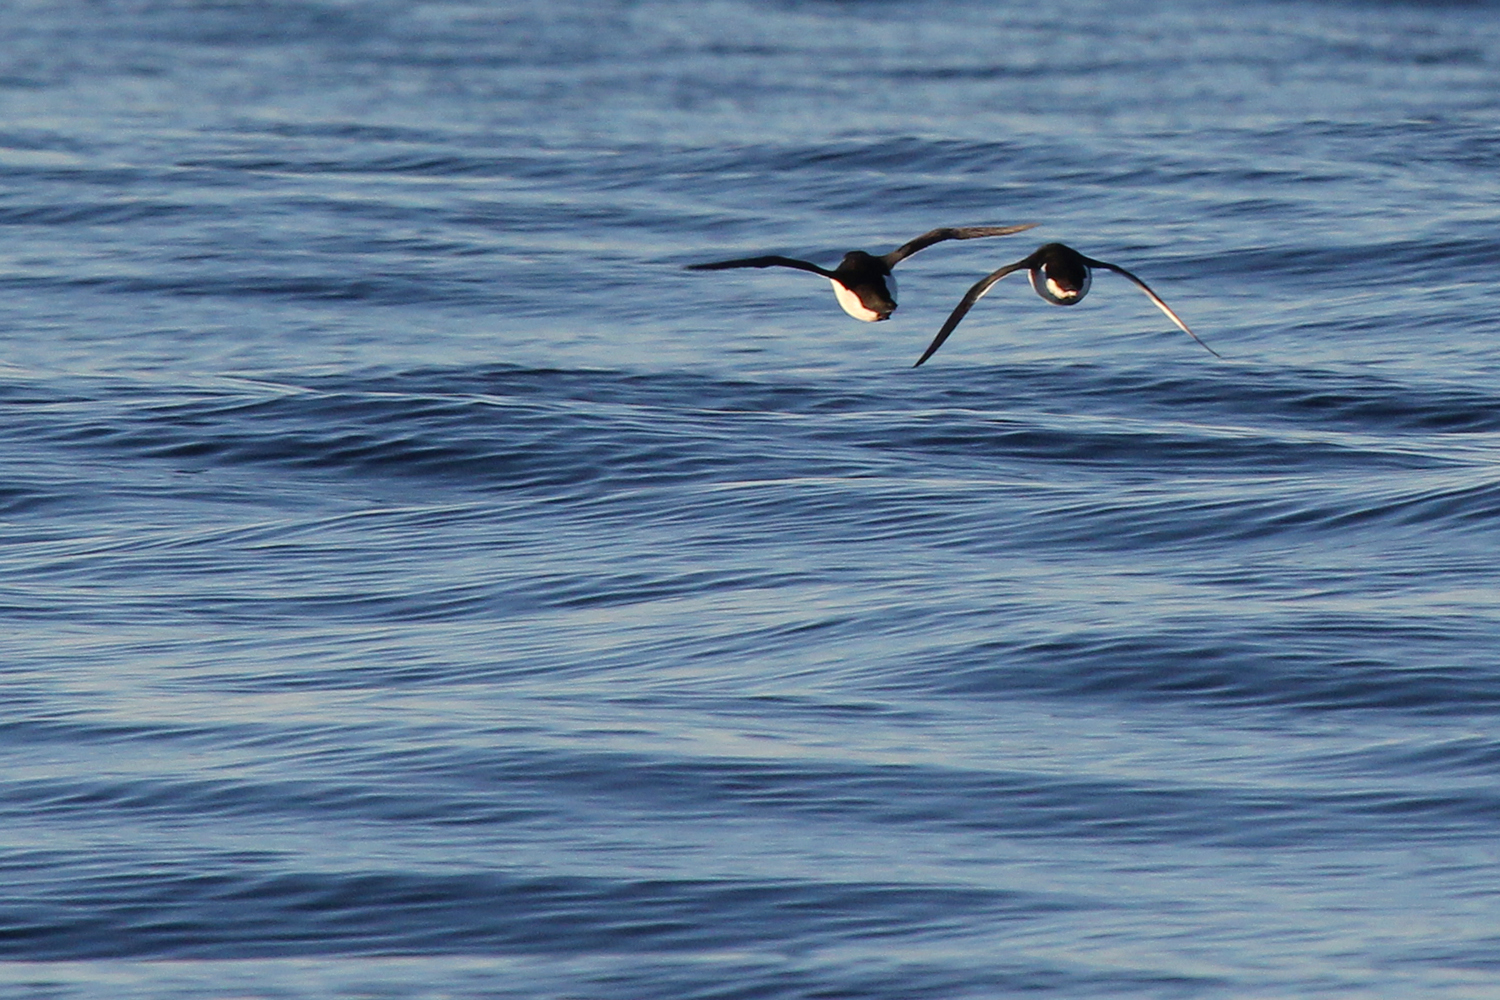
x,y
1059,274
863,282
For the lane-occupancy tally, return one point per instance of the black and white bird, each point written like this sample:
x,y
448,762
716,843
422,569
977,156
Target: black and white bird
x,y
863,282
1062,276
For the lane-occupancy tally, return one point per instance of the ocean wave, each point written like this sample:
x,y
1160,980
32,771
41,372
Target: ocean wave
x,y
273,914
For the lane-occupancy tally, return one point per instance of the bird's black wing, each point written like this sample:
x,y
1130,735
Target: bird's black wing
x,y
926,240
769,261
972,296
1154,298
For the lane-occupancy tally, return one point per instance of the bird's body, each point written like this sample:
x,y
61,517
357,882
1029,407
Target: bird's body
x,y
863,282
1060,275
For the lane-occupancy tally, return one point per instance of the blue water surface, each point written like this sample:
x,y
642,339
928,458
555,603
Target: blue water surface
x,y
417,585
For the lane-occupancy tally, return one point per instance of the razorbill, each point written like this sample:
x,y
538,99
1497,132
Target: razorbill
x,y
1059,274
863,282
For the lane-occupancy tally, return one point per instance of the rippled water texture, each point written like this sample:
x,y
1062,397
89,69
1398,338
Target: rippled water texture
x,y
415,584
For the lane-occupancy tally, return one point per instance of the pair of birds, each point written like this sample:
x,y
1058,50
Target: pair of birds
x,y
866,288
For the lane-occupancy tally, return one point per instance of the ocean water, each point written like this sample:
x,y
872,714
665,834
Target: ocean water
x,y
414,584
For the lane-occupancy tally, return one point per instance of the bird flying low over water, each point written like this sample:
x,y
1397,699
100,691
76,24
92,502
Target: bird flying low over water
x,y
863,282
1059,274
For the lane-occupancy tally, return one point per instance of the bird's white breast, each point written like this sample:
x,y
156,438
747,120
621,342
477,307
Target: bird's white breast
x,y
851,303
1050,290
